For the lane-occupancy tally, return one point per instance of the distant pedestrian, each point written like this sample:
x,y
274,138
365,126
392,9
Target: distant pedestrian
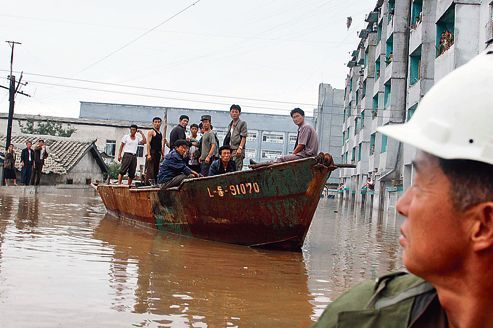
x,y
27,162
223,164
208,144
155,151
179,131
9,165
193,159
40,154
173,169
129,145
236,137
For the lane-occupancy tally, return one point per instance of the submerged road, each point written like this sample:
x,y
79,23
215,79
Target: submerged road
x,y
63,262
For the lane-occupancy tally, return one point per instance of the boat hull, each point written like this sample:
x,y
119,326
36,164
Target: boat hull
x,y
268,207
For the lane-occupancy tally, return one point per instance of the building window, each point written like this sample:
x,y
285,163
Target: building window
x,y
363,119
372,144
374,109
363,89
377,68
415,66
445,31
252,136
379,31
292,138
110,147
271,154
384,144
250,153
88,181
416,13
360,147
140,151
353,155
273,137
386,96
410,112
70,181
389,50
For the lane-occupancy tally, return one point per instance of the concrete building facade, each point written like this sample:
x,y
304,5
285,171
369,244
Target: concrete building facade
x,y
328,119
406,47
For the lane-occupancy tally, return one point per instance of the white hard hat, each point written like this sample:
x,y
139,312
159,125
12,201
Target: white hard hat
x,y
454,120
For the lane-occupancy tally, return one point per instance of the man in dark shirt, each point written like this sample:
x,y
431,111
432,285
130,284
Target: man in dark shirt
x,y
40,154
155,150
173,169
224,164
178,132
27,161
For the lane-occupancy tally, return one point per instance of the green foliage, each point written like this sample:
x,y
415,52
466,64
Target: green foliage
x,y
46,128
113,170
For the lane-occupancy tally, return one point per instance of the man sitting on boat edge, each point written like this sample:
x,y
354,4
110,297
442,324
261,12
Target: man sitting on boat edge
x,y
223,164
173,169
306,141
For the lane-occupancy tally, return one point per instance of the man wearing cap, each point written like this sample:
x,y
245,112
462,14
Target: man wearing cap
x,y
447,236
236,137
208,146
179,131
173,169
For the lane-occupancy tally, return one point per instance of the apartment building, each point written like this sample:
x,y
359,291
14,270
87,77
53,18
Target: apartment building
x,y
406,47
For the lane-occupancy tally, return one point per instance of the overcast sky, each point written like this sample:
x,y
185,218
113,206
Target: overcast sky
x,y
278,50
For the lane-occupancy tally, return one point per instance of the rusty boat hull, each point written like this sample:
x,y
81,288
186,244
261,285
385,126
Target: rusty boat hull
x,y
270,207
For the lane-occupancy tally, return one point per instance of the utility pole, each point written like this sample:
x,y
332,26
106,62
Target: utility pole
x,y
13,90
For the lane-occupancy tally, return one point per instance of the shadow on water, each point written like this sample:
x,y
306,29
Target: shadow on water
x,y
64,262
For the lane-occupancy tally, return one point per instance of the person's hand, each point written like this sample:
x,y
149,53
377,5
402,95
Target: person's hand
x,y
162,157
195,174
119,158
238,152
149,157
207,159
200,160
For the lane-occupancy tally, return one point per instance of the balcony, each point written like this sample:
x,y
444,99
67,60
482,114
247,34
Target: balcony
x,y
416,37
489,31
445,63
388,71
414,93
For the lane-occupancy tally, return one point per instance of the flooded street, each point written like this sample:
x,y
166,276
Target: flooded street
x,y
64,263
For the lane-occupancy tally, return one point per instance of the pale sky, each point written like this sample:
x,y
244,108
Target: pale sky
x,y
278,50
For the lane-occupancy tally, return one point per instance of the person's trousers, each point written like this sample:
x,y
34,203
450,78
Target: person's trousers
x,y
174,182
26,173
238,160
152,167
204,168
36,176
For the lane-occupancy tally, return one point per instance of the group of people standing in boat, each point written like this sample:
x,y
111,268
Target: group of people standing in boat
x,y
193,156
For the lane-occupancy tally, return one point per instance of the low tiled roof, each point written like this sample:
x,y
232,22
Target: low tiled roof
x,y
64,153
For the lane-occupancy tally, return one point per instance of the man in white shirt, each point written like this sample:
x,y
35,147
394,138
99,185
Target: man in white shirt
x,y
130,143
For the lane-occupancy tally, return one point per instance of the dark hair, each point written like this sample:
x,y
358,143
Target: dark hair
x,y
134,126
157,118
181,142
235,106
41,140
194,126
225,147
182,117
201,126
471,182
297,110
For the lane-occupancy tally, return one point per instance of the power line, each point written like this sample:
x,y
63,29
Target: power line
x,y
166,90
138,37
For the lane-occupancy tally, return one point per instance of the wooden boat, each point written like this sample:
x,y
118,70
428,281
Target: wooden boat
x,y
271,206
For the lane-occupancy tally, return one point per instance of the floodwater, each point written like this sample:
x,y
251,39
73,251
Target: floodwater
x,y
64,263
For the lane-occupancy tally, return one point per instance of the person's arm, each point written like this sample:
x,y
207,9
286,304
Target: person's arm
x,y
122,144
243,136
150,134
144,140
298,149
211,153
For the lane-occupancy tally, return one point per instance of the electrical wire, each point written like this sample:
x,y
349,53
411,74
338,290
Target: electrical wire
x,y
137,38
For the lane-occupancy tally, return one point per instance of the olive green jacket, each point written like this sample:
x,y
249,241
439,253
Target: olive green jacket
x,y
395,300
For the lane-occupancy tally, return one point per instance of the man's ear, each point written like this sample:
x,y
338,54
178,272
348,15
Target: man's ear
x,y
482,229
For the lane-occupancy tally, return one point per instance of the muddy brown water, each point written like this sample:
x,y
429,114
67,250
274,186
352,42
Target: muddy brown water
x,y
64,263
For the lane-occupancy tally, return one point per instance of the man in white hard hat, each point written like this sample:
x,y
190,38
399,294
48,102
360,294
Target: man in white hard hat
x,y
447,235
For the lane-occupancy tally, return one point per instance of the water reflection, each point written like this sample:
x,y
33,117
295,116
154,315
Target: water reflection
x,y
64,263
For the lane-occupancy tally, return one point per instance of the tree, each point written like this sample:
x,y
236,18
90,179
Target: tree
x,y
46,128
